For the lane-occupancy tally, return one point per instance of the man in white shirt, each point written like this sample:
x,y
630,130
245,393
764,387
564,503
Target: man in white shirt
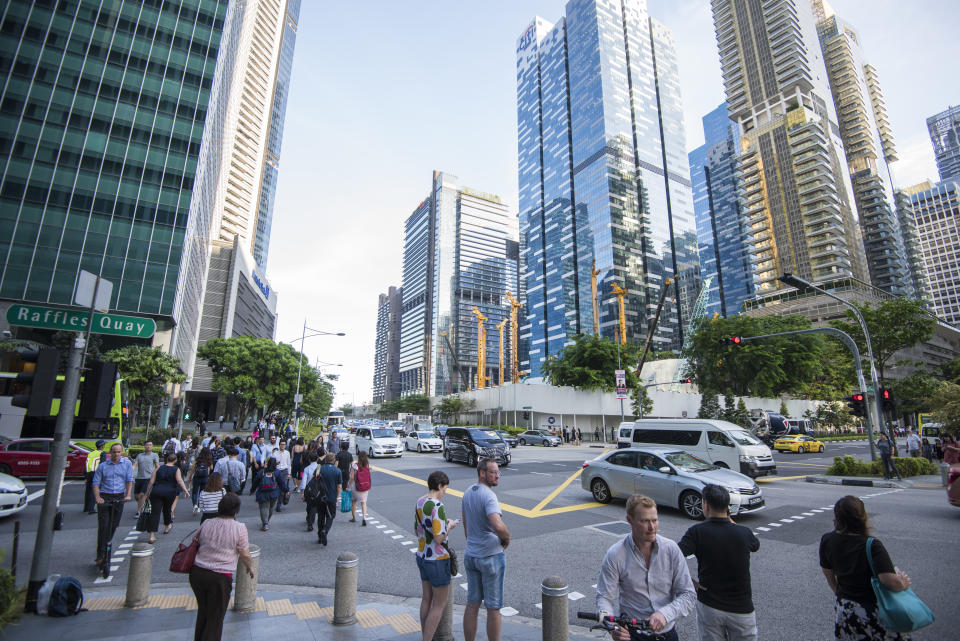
x,y
283,463
171,445
230,470
914,444
185,443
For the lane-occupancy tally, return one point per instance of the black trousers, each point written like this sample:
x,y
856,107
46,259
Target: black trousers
x,y
108,518
889,467
212,590
89,505
325,516
160,504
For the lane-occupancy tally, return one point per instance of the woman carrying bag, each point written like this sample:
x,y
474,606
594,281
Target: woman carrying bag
x,y
222,543
162,491
270,487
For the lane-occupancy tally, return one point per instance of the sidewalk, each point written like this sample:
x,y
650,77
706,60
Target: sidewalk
x,y
283,612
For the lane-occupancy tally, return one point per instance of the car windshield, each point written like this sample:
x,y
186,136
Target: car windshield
x,y
744,438
501,433
383,433
689,463
484,435
425,435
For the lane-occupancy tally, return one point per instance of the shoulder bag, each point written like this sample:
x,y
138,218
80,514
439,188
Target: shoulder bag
x,y
183,558
454,561
898,611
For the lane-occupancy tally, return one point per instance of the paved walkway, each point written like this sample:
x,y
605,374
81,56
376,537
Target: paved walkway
x,y
282,612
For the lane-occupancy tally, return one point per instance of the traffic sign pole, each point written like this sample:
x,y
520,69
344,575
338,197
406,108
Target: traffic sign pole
x,y
86,339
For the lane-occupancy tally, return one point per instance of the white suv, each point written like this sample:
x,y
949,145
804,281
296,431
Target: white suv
x,y
378,441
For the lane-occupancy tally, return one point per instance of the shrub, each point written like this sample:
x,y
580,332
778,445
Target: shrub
x,y
11,599
908,466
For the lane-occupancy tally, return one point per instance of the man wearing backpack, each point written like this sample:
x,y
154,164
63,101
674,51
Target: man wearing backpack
x,y
332,485
313,493
170,446
231,470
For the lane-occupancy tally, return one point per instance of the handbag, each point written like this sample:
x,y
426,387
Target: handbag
x,y
346,501
454,561
901,611
143,521
185,555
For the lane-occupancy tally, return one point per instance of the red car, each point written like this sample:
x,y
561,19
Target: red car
x,y
953,485
31,457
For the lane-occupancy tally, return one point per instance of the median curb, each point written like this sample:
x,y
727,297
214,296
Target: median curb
x,y
857,481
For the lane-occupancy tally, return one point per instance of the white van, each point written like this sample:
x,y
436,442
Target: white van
x,y
718,442
378,441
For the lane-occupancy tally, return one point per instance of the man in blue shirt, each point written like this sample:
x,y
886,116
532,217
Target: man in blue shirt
x,y
258,458
112,487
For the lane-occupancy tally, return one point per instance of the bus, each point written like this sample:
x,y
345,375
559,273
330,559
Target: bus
x,y
334,418
86,432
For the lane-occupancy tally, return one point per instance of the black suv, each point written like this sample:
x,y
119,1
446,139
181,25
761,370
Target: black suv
x,y
470,444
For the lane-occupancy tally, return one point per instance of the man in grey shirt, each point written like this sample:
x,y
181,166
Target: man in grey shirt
x,y
484,560
645,576
144,466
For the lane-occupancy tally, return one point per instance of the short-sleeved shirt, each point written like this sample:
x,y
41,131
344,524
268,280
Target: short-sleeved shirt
x,y
146,464
846,555
723,552
221,542
431,521
344,459
331,477
479,502
112,478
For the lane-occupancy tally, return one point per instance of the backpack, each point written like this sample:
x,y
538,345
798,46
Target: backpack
x,y
313,493
169,448
363,479
268,482
233,483
66,598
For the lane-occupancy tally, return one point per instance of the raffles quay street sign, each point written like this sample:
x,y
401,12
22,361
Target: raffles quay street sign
x,y
76,321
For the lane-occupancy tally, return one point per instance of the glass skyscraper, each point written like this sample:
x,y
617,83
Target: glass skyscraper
x,y
107,109
721,228
944,130
603,177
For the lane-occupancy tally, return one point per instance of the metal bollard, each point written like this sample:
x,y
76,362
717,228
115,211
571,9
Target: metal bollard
x,y
345,589
138,579
245,597
445,627
556,625
944,474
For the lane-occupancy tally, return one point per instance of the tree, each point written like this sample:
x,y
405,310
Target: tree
x,y
729,408
837,376
784,412
913,393
347,409
741,415
642,403
950,371
946,406
894,324
709,406
147,371
767,367
317,402
589,364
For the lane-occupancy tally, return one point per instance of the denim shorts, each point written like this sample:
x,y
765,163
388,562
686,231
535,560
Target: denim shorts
x,y
436,572
485,579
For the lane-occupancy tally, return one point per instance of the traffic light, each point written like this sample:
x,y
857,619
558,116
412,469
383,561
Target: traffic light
x,y
299,412
732,340
889,403
857,404
41,381
685,380
186,414
526,416
96,393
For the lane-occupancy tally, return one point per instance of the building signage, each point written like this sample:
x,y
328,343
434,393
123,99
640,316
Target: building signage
x,y
529,36
265,289
76,321
621,375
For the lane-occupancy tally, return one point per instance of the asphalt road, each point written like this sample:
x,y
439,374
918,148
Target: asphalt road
x,y
557,529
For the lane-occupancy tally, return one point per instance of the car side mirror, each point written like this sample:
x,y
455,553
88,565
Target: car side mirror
x,y
665,470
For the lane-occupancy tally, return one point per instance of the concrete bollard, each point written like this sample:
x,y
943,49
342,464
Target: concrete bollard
x,y
445,627
556,625
138,580
245,595
944,474
345,589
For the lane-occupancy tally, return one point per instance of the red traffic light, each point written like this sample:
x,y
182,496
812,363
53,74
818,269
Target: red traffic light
x,y
686,380
886,394
858,398
736,340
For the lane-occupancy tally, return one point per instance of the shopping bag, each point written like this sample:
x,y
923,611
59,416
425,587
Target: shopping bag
x,y
346,501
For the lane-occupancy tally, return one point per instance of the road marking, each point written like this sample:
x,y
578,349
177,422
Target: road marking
x,y
508,611
406,542
559,464
797,518
131,538
103,580
767,479
786,520
763,529
125,545
40,492
557,491
538,606
414,550
389,531
396,536
380,527
829,507
575,596
774,524
114,568
542,473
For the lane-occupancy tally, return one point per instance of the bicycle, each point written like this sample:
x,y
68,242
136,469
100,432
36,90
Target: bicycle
x,y
639,629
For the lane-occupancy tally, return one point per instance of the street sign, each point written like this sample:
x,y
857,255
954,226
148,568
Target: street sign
x,y
621,375
76,321
298,398
527,407
86,286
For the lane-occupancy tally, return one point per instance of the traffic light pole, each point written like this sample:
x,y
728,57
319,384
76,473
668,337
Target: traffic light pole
x,y
40,564
852,345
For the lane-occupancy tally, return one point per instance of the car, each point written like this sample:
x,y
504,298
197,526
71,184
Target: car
x,y
423,442
24,457
470,444
953,485
798,443
341,432
538,437
669,476
508,438
377,441
440,430
13,495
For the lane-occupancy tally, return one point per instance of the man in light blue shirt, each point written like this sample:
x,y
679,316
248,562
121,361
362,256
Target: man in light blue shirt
x,y
231,470
112,487
484,559
258,458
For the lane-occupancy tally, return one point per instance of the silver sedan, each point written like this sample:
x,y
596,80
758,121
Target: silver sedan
x,y
670,477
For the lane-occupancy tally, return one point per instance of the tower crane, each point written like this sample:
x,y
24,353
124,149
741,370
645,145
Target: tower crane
x,y
515,306
594,272
481,348
500,326
620,292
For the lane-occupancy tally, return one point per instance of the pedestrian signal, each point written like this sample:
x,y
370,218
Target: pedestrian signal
x,y
857,404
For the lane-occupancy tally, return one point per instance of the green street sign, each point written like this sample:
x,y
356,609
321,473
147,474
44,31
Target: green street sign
x,y
528,407
76,321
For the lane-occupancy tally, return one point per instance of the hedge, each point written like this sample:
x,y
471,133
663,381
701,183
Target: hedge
x,y
908,466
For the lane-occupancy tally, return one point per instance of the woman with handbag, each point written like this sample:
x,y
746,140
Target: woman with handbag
x,y
433,557
162,491
845,564
222,543
271,485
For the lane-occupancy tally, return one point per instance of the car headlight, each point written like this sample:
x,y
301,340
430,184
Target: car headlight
x,y
748,459
477,448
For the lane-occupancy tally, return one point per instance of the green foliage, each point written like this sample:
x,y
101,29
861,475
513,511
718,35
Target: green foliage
x,y
316,402
894,324
642,403
147,371
834,414
729,408
907,466
914,393
451,407
413,404
741,415
951,370
11,598
346,409
709,406
837,376
945,404
589,364
784,412
769,367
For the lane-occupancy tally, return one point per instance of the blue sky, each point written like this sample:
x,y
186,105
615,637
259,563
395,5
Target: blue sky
x,y
384,92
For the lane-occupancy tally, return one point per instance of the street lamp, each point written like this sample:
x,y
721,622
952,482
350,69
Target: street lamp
x,y
801,284
303,336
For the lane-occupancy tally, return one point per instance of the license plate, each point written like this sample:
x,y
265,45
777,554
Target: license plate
x,y
756,500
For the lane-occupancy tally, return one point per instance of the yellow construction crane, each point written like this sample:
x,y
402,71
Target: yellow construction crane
x,y
596,303
515,306
500,326
620,292
481,349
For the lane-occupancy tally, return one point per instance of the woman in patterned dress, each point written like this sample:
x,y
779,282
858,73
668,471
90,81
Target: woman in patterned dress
x,y
432,528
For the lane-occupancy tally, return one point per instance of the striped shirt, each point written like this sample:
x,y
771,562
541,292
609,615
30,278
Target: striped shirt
x,y
221,542
209,501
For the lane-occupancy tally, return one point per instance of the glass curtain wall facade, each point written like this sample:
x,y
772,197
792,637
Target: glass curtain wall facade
x,y
387,347
937,214
944,130
603,177
721,228
103,108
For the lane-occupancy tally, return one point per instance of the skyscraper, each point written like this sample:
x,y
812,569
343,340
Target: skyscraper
x,y
944,130
797,192
721,229
868,142
111,120
603,177
460,253
937,212
386,371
